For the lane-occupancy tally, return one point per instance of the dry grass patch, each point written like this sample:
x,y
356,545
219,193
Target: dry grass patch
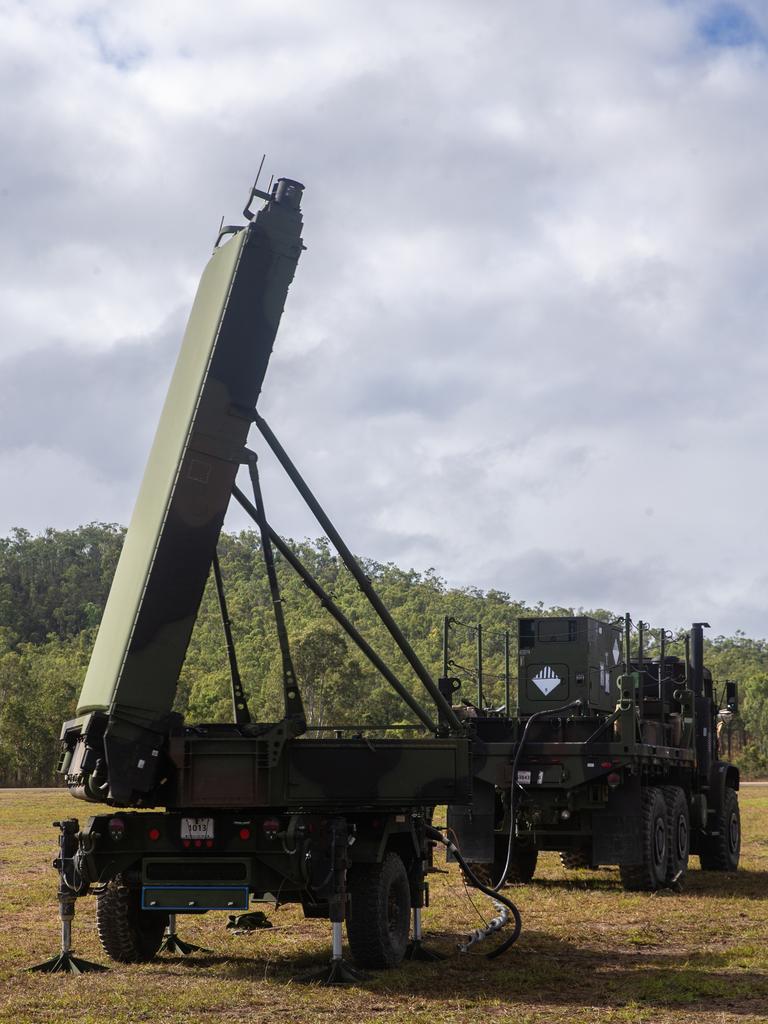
x,y
588,953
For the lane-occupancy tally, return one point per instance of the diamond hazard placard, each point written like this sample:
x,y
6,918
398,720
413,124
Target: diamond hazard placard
x,y
547,680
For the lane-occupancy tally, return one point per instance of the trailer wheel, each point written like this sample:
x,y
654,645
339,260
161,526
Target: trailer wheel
x,y
126,932
651,874
679,833
379,912
721,852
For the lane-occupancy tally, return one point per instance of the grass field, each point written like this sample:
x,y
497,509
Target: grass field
x,y
589,952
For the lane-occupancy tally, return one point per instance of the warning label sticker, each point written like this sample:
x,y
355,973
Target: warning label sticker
x,y
547,680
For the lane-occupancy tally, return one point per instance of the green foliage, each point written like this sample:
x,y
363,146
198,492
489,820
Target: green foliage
x,y
54,586
752,763
56,582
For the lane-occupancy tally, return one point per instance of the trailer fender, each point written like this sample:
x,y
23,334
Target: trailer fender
x,y
397,832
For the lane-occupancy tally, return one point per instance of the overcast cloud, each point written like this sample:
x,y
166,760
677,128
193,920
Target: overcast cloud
x,y
526,345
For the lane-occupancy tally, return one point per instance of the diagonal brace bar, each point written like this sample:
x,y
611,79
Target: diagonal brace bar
x,y
239,702
362,580
294,708
333,609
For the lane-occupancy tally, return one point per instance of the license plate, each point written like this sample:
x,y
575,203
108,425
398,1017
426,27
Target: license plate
x,y
197,828
523,778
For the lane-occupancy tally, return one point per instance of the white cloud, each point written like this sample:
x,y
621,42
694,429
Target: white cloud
x,y
525,344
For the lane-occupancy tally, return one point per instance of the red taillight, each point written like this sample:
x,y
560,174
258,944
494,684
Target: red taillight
x,y
209,843
245,834
186,843
606,764
198,843
613,779
154,834
271,826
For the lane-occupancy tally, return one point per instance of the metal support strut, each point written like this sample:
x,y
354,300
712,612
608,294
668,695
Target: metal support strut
x,y
333,609
294,708
361,579
240,710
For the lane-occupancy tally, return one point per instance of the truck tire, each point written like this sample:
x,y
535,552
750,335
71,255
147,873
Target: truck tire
x,y
679,834
126,932
651,874
721,852
573,859
379,912
522,864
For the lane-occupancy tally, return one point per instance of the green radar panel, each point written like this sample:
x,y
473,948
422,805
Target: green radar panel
x,y
171,541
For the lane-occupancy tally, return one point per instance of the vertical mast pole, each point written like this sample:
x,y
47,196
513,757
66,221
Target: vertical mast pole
x,y
506,672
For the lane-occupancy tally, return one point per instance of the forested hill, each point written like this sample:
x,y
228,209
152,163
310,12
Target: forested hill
x,y
53,588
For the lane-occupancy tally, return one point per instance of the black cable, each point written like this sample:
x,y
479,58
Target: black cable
x,y
434,833
515,761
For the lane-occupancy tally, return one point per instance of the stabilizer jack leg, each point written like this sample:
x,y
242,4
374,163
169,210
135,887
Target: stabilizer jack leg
x,y
173,944
338,972
65,962
416,949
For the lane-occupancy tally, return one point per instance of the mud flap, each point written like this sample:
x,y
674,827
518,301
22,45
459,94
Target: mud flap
x,y
472,828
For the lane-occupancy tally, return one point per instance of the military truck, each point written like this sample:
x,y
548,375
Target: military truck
x,y
196,817
615,757
217,816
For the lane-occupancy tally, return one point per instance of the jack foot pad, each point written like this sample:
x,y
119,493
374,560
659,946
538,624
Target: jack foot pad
x,y
417,951
65,963
337,972
173,944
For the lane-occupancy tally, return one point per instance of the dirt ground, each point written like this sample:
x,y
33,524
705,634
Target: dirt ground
x,y
588,952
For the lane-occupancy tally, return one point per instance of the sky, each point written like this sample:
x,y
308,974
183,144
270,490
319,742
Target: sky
x,y
526,345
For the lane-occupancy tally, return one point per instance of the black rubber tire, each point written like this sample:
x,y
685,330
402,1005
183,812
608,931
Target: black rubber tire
x,y
679,834
522,864
651,874
128,933
574,859
722,852
378,912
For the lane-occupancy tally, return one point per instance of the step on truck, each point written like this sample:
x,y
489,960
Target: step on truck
x,y
197,817
613,758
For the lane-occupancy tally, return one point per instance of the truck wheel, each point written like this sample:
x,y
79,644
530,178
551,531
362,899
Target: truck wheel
x,y
721,852
573,859
522,864
128,933
379,912
679,833
651,874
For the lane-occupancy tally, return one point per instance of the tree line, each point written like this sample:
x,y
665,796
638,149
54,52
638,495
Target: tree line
x,y
53,588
